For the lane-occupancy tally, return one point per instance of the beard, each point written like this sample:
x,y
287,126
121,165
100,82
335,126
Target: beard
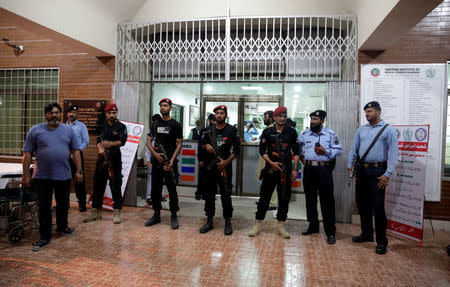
x,y
219,121
315,128
112,120
53,122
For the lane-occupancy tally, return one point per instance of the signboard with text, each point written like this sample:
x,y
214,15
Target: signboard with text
x,y
406,190
89,112
412,94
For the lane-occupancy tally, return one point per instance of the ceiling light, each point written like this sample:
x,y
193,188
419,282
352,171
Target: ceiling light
x,y
252,88
298,88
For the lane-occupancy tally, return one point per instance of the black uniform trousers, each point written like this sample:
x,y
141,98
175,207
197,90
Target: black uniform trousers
x,y
45,188
370,199
270,180
202,176
213,180
159,178
80,188
101,178
318,180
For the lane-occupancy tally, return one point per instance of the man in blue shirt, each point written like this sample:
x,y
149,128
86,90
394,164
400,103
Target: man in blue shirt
x,y
81,132
319,147
373,176
52,144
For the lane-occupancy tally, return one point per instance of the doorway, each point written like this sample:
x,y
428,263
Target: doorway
x,y
246,113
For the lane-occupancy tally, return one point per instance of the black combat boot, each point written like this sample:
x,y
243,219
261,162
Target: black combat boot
x,y
208,226
174,221
154,220
228,230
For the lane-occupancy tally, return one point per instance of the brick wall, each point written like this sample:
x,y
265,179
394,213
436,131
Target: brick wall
x,y
427,42
82,76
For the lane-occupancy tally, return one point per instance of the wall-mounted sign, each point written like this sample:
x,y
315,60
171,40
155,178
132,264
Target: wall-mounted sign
x,y
90,112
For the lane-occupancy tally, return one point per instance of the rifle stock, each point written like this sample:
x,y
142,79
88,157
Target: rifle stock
x,y
223,173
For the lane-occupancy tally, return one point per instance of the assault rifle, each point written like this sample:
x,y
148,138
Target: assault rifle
x,y
280,155
223,173
106,153
166,159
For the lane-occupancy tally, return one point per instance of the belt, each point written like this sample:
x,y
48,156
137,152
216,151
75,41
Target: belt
x,y
317,163
382,164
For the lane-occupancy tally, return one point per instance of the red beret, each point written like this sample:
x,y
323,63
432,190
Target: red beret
x,y
221,107
166,100
111,107
279,110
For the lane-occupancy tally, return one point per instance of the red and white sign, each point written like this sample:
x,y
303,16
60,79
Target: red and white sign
x,y
406,190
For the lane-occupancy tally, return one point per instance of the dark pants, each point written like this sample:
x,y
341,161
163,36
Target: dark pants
x,y
213,180
101,178
201,186
159,178
267,187
45,188
369,199
80,188
318,180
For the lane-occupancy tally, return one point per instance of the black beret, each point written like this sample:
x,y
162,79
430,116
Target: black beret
x,y
372,104
318,113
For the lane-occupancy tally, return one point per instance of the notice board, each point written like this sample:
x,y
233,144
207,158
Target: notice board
x,y
412,94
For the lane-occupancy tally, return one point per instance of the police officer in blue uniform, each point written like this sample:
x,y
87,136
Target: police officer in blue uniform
x,y
373,176
319,147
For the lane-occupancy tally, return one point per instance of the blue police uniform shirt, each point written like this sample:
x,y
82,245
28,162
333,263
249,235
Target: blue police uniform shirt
x,y
81,133
385,149
52,148
328,139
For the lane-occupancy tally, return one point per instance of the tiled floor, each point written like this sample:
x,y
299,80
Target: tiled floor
x,y
130,254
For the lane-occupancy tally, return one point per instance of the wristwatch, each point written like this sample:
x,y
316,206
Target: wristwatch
x,y
80,171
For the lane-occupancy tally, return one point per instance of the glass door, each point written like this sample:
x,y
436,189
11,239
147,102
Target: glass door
x,y
246,113
209,104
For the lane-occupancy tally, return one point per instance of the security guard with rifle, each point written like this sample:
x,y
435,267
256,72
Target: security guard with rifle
x,y
109,165
217,141
372,161
168,137
276,146
319,148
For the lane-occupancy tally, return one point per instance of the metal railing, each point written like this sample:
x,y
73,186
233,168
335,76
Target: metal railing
x,y
296,48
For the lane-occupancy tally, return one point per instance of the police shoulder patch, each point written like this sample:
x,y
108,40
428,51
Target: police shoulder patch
x,y
336,140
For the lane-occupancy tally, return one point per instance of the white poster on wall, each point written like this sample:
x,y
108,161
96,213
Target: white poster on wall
x,y
412,94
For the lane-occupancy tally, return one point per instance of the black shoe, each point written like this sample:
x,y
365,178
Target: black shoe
x,y
363,238
331,239
82,208
40,244
208,226
448,250
174,222
228,230
154,220
380,249
272,208
310,230
67,231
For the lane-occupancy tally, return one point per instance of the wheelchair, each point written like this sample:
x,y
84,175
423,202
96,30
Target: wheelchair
x,y
18,211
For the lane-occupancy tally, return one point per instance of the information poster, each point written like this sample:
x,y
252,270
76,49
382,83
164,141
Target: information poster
x,y
128,152
187,164
89,112
412,94
405,192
